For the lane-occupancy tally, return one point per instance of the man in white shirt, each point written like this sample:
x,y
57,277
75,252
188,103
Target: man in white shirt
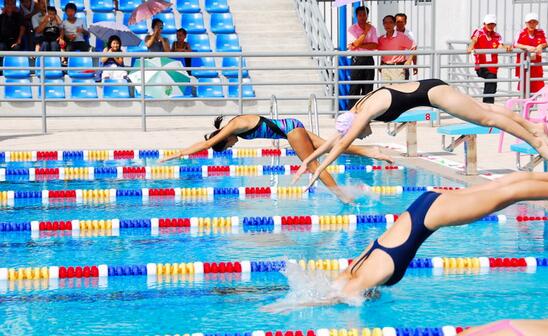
x,y
401,22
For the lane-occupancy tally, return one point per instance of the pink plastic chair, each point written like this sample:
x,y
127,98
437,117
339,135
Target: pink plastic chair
x,y
540,99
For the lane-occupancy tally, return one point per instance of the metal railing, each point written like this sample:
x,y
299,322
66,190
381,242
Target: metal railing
x,y
327,92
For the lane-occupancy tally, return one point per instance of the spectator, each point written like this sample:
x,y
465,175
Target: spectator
x,y
533,40
401,22
28,8
155,42
73,31
365,38
393,40
12,27
114,45
47,28
180,45
487,38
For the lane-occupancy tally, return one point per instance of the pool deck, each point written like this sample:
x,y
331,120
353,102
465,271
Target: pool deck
x,y
174,132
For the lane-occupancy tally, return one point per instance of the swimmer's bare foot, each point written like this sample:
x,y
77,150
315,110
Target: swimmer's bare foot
x,y
375,152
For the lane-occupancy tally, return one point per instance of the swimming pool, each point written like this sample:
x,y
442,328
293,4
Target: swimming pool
x,y
128,303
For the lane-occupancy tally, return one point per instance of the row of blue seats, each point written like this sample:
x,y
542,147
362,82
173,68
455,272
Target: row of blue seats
x,y
87,62
127,6
24,90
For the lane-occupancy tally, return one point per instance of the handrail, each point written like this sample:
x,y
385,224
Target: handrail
x,y
274,115
313,111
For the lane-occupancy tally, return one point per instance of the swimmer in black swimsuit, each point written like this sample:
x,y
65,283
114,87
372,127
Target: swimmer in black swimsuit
x,y
384,262
389,102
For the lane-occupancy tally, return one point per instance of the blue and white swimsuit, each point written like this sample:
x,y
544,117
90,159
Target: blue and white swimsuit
x,y
271,129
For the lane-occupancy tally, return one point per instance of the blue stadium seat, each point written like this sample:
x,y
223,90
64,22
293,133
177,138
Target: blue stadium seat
x,y
206,62
80,7
227,43
79,15
186,94
222,23
101,16
85,91
16,61
113,92
247,89
216,6
193,23
215,90
169,22
127,6
171,38
233,62
138,28
50,62
101,5
80,62
23,91
53,92
199,42
188,6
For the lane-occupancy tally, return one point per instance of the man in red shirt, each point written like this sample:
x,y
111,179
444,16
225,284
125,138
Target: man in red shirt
x,y
394,40
487,38
532,40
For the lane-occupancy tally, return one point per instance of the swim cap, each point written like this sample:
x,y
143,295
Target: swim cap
x,y
344,122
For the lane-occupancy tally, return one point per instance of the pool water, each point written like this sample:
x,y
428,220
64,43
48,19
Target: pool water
x,y
232,302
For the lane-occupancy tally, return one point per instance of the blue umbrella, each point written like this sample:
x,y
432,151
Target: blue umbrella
x,y
105,29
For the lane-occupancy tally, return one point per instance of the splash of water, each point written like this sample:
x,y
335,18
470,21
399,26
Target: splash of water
x,y
310,288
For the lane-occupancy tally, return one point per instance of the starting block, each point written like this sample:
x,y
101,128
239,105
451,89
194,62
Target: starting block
x,y
467,134
408,120
534,158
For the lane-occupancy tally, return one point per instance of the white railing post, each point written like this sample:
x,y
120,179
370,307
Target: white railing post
x,y
43,92
143,100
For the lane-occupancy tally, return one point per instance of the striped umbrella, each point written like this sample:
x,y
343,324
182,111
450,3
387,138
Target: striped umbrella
x,y
171,75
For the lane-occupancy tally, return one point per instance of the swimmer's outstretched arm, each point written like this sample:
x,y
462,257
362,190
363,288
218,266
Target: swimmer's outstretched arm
x,y
233,127
324,148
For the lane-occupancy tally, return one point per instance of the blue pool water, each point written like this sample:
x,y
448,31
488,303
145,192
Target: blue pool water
x,y
230,302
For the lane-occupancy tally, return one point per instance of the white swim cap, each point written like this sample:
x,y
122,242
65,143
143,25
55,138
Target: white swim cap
x,y
344,122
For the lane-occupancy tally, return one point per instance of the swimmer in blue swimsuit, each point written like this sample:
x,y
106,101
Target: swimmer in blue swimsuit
x,y
389,102
302,141
384,262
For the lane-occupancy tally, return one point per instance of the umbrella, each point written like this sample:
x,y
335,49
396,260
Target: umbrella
x,y
339,3
171,75
147,9
105,29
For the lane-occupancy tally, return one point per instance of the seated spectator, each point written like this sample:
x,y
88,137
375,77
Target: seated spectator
x,y
12,27
114,45
47,28
28,8
73,31
181,46
393,40
155,42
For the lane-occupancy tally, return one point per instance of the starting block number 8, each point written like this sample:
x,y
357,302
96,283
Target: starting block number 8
x,y
427,117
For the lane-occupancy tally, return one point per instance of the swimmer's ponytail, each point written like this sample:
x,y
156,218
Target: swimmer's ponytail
x,y
218,121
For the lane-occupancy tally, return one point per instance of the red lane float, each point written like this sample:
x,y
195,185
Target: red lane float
x,y
124,154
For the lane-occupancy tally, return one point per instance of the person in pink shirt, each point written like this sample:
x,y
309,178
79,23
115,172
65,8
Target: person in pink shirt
x,y
394,40
364,38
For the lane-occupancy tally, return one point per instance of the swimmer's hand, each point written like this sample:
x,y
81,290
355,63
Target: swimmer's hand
x,y
171,157
302,169
313,179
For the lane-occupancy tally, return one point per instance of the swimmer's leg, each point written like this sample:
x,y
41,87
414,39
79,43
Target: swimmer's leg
x,y
457,209
373,152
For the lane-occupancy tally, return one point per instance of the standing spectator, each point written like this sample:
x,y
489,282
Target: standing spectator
x,y
180,45
365,38
28,8
533,40
114,45
155,42
47,28
401,22
12,27
487,38
393,40
73,31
